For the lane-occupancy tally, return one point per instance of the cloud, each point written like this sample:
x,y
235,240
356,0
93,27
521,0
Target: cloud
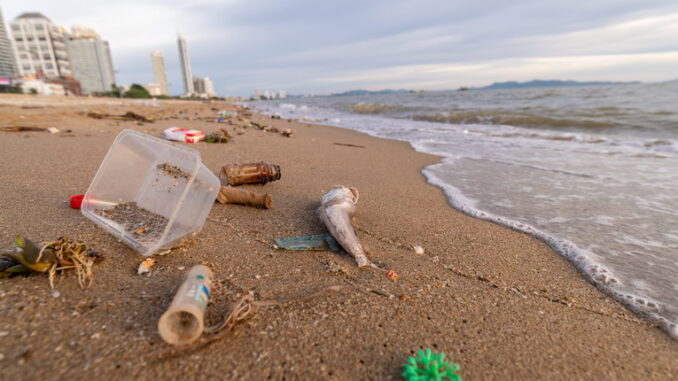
x,y
307,46
613,67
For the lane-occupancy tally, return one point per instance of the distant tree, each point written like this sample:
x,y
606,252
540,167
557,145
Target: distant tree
x,y
33,91
115,91
137,91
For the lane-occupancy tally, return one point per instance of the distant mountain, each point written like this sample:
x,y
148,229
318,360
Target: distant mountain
x,y
366,92
546,83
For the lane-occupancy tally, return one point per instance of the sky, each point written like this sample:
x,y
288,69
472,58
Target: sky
x,y
321,47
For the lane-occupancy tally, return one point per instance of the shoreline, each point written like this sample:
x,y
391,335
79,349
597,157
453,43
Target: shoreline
x,y
592,270
498,302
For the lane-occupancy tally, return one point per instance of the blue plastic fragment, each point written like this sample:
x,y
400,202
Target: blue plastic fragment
x,y
309,242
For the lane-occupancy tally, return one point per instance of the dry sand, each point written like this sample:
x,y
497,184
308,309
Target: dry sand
x,y
498,302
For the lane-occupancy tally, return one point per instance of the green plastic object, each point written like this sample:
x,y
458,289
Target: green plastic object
x,y
428,366
309,242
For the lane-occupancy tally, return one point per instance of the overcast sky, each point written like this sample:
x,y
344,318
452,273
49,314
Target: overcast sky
x,y
323,46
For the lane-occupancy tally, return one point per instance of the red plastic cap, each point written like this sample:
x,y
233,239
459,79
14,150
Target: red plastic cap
x,y
76,201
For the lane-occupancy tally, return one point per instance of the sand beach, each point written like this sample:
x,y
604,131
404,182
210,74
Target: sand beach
x,y
498,302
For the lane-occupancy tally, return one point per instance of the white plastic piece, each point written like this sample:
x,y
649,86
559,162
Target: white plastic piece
x,y
183,135
184,320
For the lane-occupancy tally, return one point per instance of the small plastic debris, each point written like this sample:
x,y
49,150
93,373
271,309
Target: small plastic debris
x,y
146,266
76,201
392,274
322,242
430,366
231,195
418,250
251,173
183,135
183,322
53,130
56,294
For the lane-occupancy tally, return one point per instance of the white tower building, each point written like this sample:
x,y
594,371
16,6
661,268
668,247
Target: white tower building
x,y
159,73
7,59
185,66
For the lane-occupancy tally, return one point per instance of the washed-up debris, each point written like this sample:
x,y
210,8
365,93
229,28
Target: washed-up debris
x,y
430,366
336,209
251,173
322,242
129,115
53,130
418,250
230,195
52,257
274,130
184,320
221,136
183,135
348,145
146,266
257,125
392,274
146,226
287,133
76,201
22,129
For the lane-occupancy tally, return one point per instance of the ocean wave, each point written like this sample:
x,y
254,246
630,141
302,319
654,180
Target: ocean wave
x,y
510,119
534,135
376,108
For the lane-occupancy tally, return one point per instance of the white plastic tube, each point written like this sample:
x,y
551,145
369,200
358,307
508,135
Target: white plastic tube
x,y
184,320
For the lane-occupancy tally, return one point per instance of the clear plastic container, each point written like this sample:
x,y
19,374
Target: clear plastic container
x,y
150,193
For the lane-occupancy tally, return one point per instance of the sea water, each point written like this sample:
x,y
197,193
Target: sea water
x,y
592,171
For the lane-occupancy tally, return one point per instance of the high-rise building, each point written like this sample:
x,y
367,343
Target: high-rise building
x,y
198,85
40,46
209,87
159,73
185,66
91,60
7,58
203,86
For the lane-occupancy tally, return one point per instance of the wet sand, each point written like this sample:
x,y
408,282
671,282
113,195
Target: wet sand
x,y
499,303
